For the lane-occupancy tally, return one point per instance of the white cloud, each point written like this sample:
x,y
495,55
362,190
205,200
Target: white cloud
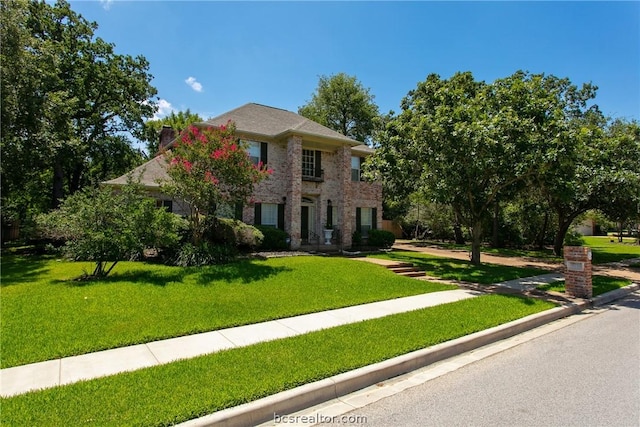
x,y
164,108
195,85
106,4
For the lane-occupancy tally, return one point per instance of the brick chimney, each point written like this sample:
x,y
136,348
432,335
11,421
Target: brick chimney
x,y
167,134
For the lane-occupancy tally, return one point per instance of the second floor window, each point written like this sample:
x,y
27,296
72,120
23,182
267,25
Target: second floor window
x,y
356,170
308,163
312,165
257,152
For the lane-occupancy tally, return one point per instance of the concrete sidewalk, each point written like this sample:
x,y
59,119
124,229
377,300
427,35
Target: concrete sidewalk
x,y
21,379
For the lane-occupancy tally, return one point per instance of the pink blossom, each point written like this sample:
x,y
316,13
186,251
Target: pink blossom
x,y
209,177
187,165
217,154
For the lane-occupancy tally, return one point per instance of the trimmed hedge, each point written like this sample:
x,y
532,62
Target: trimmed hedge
x,y
274,238
381,238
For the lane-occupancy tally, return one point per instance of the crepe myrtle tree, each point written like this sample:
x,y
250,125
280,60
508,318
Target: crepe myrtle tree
x,y
209,167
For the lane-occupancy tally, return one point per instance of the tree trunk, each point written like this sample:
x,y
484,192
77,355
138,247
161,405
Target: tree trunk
x,y
74,182
457,229
620,232
558,241
495,238
57,191
539,241
476,234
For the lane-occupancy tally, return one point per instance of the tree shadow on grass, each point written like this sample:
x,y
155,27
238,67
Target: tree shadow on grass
x,y
245,271
452,269
18,270
240,271
143,277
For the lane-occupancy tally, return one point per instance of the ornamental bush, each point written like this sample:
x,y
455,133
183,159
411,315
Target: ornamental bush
x,y
274,238
381,239
107,226
233,232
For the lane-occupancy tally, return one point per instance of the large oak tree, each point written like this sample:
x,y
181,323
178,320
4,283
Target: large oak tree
x,y
470,144
69,103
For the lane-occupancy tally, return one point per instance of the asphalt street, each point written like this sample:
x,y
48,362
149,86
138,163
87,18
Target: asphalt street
x,y
585,374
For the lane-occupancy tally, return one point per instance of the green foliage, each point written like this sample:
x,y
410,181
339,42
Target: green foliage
x,y
573,238
341,103
233,232
110,226
381,239
274,238
356,238
210,167
67,101
470,144
173,393
205,253
179,121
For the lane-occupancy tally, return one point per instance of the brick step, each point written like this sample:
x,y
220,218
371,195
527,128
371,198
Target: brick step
x,y
416,273
399,265
406,269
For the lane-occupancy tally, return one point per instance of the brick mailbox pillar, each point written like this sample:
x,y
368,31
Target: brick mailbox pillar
x,y
577,271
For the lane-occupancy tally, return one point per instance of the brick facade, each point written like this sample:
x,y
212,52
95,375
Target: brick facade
x,y
578,272
336,189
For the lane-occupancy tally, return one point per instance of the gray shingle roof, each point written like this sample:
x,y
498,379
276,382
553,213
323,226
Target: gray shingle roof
x,y
150,173
275,122
252,119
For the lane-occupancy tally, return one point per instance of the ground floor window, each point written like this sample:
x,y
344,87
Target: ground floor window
x,y
269,214
366,219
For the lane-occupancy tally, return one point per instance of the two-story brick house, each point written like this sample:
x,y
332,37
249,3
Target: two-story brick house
x,y
316,178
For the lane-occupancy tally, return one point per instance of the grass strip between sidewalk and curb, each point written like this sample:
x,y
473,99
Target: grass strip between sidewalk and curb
x,y
47,315
176,392
464,271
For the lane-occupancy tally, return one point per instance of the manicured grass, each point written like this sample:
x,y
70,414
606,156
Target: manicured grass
x,y
452,269
173,393
47,315
601,285
607,249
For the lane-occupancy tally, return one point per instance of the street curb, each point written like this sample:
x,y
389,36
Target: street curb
x,y
296,399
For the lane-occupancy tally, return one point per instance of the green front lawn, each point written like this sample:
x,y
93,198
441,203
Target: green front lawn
x,y
607,249
453,269
188,389
47,315
601,285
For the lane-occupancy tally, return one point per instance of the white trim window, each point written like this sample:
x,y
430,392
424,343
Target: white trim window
x,y
269,214
308,163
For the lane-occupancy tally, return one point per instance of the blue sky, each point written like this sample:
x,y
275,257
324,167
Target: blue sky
x,y
211,57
